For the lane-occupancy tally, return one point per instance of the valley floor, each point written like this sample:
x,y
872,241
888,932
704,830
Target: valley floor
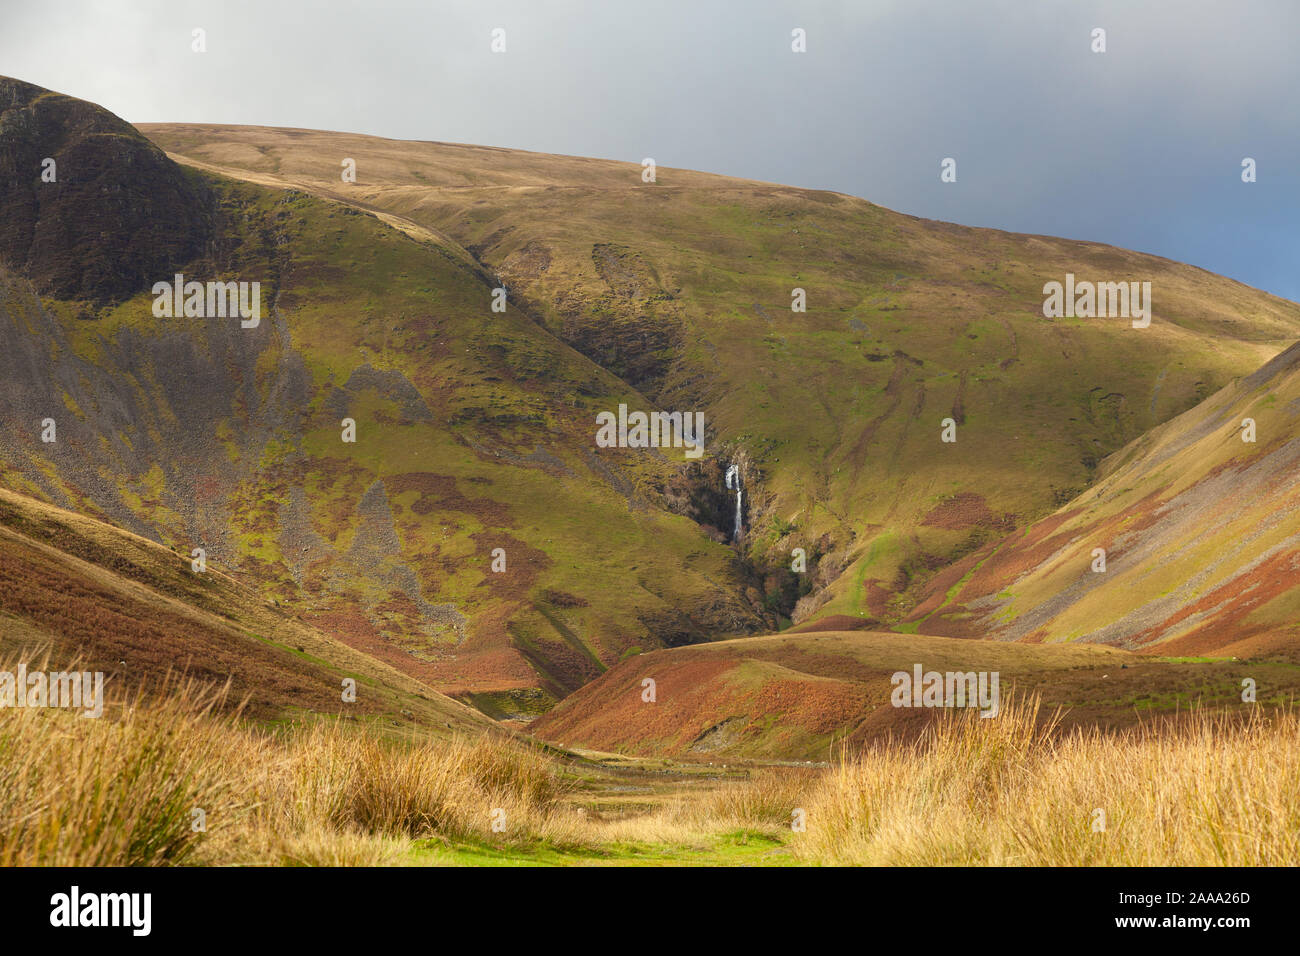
x,y
170,779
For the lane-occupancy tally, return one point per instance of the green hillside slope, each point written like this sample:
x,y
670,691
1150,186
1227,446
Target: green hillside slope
x,y
684,287
1198,531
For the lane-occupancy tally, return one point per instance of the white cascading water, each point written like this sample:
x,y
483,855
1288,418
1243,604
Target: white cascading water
x,y
733,484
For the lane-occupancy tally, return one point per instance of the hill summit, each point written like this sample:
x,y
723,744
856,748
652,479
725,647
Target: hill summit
x,y
89,208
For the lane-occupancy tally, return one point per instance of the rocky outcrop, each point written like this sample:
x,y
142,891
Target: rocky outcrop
x,y
111,214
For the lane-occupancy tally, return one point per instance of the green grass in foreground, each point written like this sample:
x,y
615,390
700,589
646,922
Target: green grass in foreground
x,y
736,848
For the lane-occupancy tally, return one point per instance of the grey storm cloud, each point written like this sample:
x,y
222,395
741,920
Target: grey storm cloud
x,y
1140,146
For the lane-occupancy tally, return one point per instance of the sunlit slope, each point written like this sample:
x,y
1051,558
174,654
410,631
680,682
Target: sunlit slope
x,y
810,696
1200,532
473,437
80,593
473,433
683,288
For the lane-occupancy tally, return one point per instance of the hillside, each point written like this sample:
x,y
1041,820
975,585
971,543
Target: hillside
x,y
1199,532
683,288
1200,546
83,591
89,208
811,696
472,434
475,429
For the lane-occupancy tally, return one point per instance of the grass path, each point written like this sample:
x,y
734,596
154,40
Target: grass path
x,y
737,848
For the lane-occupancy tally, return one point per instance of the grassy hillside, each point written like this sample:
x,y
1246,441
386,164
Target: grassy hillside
x,y
76,591
473,433
475,428
1198,530
810,696
683,288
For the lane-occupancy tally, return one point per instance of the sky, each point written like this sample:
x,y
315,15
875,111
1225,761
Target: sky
x,y
1140,146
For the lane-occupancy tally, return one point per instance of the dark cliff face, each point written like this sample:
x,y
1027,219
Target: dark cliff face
x,y
120,215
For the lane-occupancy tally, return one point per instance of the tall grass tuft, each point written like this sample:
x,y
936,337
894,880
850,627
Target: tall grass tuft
x,y
122,790
1205,790
119,790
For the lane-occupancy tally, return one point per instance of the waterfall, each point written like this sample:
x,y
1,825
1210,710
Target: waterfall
x,y
733,484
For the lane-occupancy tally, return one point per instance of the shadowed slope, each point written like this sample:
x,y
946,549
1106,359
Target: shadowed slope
x,y
89,208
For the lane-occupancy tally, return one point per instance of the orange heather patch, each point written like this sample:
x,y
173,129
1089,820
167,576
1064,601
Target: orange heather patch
x,y
966,510
1230,602
492,669
816,706
610,714
1020,556
876,597
134,640
937,588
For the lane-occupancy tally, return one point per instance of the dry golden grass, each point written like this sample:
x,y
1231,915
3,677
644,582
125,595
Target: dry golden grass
x,y
336,778
120,790
1207,791
763,804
